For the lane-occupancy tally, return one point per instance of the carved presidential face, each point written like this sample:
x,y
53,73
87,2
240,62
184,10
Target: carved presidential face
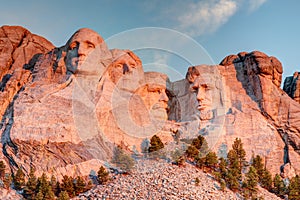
x,y
126,71
206,94
81,44
154,94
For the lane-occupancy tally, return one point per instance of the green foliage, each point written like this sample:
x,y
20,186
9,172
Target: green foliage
x,y
191,152
198,142
294,188
199,161
232,181
31,185
222,168
19,179
39,196
63,196
237,159
79,185
103,175
56,189
49,194
67,185
257,163
278,186
122,160
250,183
2,170
155,144
238,153
43,184
211,160
266,180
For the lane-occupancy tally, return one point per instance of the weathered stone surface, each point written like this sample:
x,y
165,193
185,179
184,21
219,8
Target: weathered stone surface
x,y
241,98
18,49
77,99
292,86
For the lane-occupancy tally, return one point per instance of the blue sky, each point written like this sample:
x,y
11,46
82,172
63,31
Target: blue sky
x,y
222,27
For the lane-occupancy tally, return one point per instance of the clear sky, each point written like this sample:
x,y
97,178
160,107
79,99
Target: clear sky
x,y
222,27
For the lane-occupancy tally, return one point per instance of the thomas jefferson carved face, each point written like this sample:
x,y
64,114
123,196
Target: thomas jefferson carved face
x,y
80,45
154,95
126,70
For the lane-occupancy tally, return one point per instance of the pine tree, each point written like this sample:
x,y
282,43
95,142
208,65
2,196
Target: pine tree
x,y
232,181
57,188
211,160
39,196
67,185
79,185
250,183
63,196
266,180
2,170
103,175
198,142
257,163
122,160
19,179
239,151
43,184
279,188
49,194
294,188
223,167
30,187
53,182
192,152
155,144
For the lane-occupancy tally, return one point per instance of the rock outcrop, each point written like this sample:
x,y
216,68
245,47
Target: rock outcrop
x,y
291,86
241,98
255,80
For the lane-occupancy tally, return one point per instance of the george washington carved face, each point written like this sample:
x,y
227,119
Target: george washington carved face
x,y
80,45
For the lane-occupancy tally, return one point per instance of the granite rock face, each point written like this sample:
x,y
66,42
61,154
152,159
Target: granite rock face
x,y
291,86
77,99
65,108
19,49
240,98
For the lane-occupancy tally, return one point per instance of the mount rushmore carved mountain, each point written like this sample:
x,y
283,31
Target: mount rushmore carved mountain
x,y
64,109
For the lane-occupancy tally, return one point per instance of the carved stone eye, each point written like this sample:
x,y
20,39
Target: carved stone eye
x,y
73,45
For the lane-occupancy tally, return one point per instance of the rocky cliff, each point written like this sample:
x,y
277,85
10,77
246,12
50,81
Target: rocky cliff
x,y
65,108
291,86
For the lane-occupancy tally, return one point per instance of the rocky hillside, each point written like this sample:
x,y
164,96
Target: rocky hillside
x,y
152,179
